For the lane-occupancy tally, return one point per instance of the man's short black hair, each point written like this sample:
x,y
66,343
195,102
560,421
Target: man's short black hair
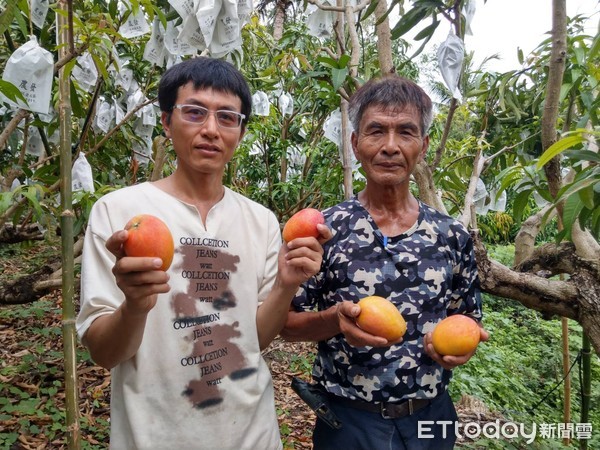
x,y
204,73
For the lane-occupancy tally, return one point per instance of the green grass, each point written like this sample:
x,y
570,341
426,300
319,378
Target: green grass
x,y
519,371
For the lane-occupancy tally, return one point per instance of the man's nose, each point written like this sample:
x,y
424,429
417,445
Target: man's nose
x,y
391,143
210,125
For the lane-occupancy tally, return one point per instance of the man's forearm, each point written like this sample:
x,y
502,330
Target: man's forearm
x,y
272,314
311,326
114,338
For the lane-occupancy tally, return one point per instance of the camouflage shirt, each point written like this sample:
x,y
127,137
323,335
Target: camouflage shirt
x,y
429,272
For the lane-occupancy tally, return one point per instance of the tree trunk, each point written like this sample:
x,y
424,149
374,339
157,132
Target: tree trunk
x,y
427,192
159,149
346,149
279,20
67,216
555,78
384,39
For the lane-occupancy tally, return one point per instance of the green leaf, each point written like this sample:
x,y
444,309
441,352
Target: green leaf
x,y
559,147
520,204
22,23
370,9
595,48
11,91
327,61
337,77
428,31
47,174
571,210
78,110
6,199
27,407
564,91
586,195
408,21
573,188
100,66
595,222
31,194
113,9
7,16
343,61
583,155
508,177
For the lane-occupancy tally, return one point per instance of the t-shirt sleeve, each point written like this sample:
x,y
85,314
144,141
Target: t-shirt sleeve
x,y
271,257
99,292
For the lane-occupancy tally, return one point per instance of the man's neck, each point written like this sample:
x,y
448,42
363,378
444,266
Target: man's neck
x,y
393,210
203,191
387,199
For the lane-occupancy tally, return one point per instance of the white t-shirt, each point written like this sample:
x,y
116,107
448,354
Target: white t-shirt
x,y
198,380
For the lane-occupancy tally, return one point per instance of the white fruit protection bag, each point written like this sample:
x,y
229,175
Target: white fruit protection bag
x,y
451,54
31,69
260,103
320,22
39,10
286,104
85,72
332,127
82,178
35,145
105,113
135,25
154,52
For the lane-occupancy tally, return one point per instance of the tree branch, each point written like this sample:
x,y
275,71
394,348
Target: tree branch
x,y
535,292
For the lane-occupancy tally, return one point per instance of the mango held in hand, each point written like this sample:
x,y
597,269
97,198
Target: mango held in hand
x,y
149,236
456,335
381,317
303,224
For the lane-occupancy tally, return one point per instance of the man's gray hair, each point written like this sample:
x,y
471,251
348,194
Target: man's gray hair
x,y
391,91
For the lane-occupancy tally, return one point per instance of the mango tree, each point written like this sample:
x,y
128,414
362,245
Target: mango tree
x,y
528,134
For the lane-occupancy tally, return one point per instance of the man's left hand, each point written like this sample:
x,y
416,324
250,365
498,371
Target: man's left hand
x,y
450,362
301,258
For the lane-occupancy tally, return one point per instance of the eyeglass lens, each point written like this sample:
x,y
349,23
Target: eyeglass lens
x,y
199,115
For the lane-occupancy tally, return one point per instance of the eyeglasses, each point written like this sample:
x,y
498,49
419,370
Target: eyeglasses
x,y
199,114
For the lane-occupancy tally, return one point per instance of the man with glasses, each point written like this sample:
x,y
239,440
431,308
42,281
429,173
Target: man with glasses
x,y
184,346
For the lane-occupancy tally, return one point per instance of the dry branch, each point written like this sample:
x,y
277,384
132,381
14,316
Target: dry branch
x,y
32,287
12,234
530,228
576,297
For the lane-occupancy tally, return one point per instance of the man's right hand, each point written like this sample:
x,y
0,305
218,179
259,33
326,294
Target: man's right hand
x,y
114,338
347,312
140,279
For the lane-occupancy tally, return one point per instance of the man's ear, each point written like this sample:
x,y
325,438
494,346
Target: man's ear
x,y
354,142
424,148
242,133
165,119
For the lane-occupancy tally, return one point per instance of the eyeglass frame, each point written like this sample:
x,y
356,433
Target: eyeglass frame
x,y
179,106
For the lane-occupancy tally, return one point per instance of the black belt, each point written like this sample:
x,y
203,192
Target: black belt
x,y
387,410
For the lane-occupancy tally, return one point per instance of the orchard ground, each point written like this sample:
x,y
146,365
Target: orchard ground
x,y
32,398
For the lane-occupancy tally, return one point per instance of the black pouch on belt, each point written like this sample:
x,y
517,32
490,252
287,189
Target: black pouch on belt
x,y
316,398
